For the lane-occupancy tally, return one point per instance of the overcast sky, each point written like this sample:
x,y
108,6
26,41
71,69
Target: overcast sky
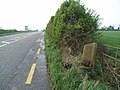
x,y
15,14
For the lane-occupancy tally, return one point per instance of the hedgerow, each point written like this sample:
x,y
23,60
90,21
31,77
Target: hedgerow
x,y
73,26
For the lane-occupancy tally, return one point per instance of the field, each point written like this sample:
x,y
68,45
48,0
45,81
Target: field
x,y
10,32
110,38
7,32
111,61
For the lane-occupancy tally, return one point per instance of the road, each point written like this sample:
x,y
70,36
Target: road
x,y
22,62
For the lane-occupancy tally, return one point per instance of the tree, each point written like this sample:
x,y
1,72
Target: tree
x,y
73,25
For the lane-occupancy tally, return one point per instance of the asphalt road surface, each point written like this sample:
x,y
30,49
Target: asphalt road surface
x,y
23,62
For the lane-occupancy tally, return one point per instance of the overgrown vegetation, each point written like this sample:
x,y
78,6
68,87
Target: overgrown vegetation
x,y
68,31
110,68
73,26
107,69
69,79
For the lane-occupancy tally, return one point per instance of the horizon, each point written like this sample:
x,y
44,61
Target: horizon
x,y
36,14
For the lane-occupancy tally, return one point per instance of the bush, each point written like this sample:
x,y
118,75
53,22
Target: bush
x,y
66,79
74,25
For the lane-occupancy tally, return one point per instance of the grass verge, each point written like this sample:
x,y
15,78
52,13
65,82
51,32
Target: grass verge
x,y
10,32
5,34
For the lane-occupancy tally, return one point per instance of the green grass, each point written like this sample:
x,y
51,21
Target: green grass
x,y
5,34
69,79
8,32
110,38
61,80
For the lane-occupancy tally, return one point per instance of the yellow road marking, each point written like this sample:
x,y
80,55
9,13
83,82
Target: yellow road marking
x,y
38,52
29,78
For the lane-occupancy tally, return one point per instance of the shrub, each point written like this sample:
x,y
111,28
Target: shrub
x,y
66,79
74,25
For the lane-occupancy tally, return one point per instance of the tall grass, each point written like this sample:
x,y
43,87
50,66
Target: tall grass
x,y
62,80
69,79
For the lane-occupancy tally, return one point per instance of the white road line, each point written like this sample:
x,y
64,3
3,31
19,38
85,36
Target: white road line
x,y
7,42
3,45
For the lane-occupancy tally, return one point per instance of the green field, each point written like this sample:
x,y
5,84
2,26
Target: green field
x,y
7,32
110,38
10,32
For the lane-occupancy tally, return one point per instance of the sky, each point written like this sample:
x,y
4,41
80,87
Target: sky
x,y
16,14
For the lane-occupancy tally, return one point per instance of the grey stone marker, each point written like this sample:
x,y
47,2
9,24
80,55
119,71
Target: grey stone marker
x,y
89,53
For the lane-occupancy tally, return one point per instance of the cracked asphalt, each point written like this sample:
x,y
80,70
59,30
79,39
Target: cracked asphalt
x,y
17,54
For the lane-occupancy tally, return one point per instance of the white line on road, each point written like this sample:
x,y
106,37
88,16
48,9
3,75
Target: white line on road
x,y
3,45
12,40
5,42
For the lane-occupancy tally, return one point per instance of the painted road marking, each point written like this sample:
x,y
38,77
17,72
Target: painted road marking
x,y
12,40
3,45
30,76
38,52
5,42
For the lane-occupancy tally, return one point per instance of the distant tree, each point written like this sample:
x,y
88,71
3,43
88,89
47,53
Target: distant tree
x,y
118,28
110,27
103,28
